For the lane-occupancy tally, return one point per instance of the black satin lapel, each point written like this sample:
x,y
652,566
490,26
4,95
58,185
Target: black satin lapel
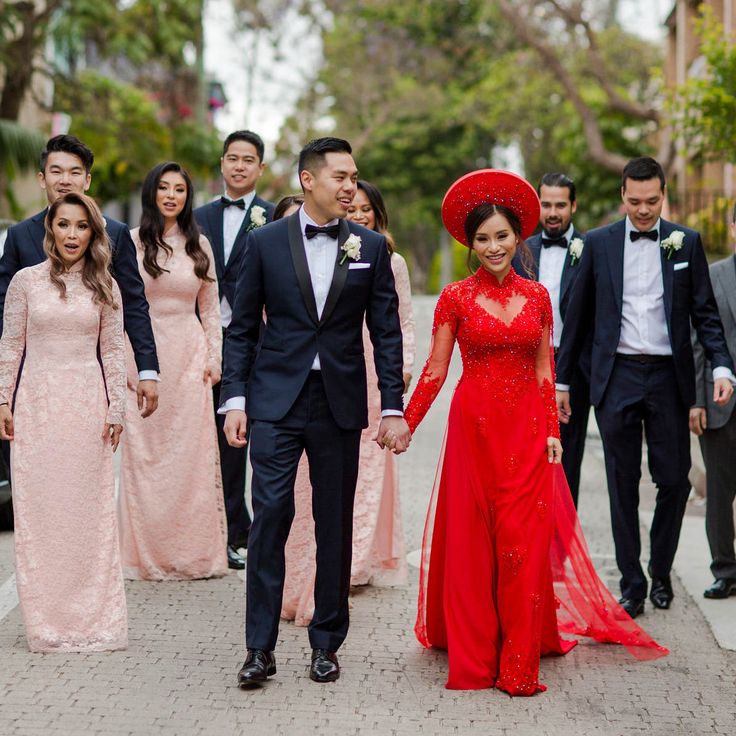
x,y
215,217
536,251
615,250
39,233
668,267
340,274
240,239
299,257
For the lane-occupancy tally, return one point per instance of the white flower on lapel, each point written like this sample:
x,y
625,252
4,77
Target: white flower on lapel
x,y
673,242
575,249
352,248
257,216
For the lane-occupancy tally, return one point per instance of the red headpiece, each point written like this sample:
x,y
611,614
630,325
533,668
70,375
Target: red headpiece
x,y
490,186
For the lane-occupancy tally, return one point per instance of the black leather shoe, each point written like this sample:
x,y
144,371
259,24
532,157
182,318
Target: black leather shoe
x,y
632,606
325,667
722,588
235,561
258,667
661,594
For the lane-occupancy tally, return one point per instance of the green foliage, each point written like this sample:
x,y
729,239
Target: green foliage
x,y
704,108
19,146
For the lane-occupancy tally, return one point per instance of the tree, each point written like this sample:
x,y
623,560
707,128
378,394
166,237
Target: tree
x,y
704,108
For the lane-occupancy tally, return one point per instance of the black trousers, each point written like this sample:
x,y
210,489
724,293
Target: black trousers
x,y
232,465
572,434
644,396
719,454
332,452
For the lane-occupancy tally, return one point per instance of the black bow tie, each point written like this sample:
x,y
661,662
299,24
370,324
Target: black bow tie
x,y
548,242
636,234
234,202
331,231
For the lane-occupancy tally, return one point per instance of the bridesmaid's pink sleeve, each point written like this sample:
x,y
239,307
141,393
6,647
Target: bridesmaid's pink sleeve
x,y
208,301
13,341
406,313
112,352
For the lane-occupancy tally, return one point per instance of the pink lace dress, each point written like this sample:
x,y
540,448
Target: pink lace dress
x,y
67,558
379,555
172,518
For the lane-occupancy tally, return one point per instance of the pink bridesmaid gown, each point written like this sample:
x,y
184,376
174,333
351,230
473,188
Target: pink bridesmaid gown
x,y
172,517
379,555
67,558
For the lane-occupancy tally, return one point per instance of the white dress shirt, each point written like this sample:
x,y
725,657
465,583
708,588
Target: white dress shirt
x,y
643,317
232,221
551,265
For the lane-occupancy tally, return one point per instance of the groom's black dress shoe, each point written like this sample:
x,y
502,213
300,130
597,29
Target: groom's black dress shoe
x,y
258,667
235,561
722,588
324,667
661,594
632,606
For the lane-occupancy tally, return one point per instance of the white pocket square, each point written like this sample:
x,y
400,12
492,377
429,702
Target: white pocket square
x,y
359,265
680,266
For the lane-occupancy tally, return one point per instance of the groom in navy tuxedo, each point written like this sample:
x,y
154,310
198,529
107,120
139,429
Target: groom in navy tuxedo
x,y
66,165
556,266
641,282
226,222
318,277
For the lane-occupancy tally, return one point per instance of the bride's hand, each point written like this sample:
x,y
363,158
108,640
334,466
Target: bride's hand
x,y
554,450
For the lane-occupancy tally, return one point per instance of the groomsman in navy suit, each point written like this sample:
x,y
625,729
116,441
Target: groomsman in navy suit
x,y
641,282
226,222
556,265
66,164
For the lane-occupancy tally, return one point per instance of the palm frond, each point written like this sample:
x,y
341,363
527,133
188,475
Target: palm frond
x,y
19,146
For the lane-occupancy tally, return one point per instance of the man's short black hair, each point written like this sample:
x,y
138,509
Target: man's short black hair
x,y
643,169
556,179
68,144
249,137
312,156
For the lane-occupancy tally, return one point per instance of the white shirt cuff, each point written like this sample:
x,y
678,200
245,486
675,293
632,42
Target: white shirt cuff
x,y
236,403
148,376
392,413
723,372
562,387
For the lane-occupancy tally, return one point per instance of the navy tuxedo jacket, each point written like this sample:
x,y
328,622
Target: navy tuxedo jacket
x,y
24,247
209,219
274,275
596,302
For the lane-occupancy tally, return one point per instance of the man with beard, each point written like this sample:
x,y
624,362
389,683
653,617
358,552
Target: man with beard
x,y
555,252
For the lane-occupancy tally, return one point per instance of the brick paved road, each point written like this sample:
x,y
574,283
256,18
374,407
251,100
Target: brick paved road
x,y
178,675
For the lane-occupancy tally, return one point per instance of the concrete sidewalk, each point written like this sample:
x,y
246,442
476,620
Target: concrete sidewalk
x,y
178,676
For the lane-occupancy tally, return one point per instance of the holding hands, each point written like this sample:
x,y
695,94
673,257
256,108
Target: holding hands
x,y
393,434
6,423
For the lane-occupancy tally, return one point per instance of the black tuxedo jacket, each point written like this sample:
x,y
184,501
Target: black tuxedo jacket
x,y
24,247
596,302
274,275
209,219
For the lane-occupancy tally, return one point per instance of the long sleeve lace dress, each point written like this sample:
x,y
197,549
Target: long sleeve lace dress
x,y
505,568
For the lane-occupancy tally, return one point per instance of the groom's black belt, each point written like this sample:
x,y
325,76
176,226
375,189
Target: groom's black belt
x,y
644,359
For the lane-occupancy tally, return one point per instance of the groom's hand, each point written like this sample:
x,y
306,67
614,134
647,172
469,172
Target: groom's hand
x,y
393,433
235,426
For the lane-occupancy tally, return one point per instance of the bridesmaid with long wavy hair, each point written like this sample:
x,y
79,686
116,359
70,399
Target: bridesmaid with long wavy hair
x,y
172,519
66,425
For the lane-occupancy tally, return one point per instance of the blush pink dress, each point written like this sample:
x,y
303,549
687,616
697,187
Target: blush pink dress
x,y
379,555
67,559
172,517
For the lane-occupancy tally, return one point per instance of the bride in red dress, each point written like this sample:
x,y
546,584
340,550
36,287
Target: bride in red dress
x,y
505,568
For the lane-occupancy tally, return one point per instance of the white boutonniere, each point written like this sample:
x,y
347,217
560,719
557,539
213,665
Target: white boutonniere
x,y
257,217
575,249
673,242
352,249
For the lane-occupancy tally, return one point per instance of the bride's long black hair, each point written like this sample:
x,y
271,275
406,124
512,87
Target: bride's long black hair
x,y
151,230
